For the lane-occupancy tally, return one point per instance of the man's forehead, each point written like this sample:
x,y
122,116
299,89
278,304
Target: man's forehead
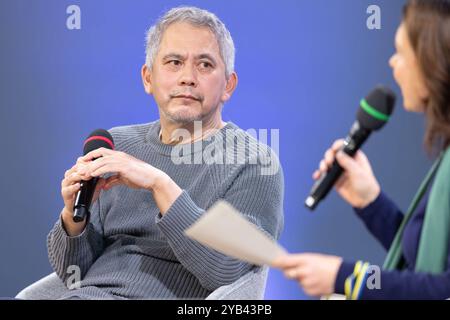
x,y
182,36
184,27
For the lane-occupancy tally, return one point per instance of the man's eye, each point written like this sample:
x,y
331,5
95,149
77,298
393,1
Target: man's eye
x,y
175,62
205,65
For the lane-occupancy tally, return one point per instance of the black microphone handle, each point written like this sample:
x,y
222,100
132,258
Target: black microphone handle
x,y
357,136
83,199
323,185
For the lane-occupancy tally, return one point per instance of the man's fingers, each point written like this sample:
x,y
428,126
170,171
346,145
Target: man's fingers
x,y
79,166
70,190
107,168
70,171
100,152
103,165
68,180
74,177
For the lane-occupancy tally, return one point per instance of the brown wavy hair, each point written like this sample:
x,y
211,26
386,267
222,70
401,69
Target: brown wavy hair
x,y
428,27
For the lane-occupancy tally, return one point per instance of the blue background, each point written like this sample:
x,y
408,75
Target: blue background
x,y
302,66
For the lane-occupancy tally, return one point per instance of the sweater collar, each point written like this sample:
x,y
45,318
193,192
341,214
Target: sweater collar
x,y
153,139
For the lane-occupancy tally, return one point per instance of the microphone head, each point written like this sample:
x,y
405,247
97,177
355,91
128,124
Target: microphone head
x,y
97,139
376,108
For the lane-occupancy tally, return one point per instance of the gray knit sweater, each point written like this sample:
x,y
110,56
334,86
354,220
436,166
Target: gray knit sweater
x,y
128,250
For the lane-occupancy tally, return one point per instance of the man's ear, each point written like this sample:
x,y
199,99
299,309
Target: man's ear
x,y
229,88
146,79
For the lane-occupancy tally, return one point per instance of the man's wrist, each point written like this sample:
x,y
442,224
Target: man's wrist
x,y
66,214
165,192
72,228
159,182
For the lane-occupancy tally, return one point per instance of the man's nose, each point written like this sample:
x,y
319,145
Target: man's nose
x,y
188,77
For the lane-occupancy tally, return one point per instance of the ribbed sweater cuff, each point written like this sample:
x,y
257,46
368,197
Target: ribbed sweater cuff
x,y
63,248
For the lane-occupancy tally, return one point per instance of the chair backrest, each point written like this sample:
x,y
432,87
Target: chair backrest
x,y
250,286
48,288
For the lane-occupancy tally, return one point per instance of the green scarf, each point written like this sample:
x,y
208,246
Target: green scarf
x,y
434,239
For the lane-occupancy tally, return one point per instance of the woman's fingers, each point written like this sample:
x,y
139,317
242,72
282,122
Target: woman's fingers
x,y
316,174
337,145
329,157
323,166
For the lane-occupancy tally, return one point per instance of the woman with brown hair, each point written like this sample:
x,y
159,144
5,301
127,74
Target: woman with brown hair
x,y
418,262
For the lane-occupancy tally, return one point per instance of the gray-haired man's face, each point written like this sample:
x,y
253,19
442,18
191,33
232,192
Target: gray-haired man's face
x,y
188,79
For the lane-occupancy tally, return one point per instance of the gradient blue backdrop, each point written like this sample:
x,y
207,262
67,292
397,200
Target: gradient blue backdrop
x,y
302,66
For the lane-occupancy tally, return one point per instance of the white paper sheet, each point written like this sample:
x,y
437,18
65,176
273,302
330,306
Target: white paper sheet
x,y
224,229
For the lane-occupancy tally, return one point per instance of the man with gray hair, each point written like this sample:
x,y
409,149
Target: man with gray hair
x,y
133,244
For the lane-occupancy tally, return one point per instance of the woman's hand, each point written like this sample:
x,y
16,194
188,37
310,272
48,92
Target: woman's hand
x,y
315,273
357,185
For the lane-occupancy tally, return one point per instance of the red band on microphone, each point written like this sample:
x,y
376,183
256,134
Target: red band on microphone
x,y
100,138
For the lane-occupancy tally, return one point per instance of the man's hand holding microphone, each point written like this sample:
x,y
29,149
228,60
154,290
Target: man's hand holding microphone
x,y
82,183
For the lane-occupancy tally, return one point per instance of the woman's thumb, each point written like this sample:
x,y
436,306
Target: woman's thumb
x,y
345,161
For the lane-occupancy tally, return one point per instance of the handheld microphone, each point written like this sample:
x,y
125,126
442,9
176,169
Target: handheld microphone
x,y
97,139
373,113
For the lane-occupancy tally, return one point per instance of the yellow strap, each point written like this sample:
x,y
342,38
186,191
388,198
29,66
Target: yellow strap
x,y
359,281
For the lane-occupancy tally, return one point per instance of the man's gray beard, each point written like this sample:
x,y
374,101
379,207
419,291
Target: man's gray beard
x,y
184,118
